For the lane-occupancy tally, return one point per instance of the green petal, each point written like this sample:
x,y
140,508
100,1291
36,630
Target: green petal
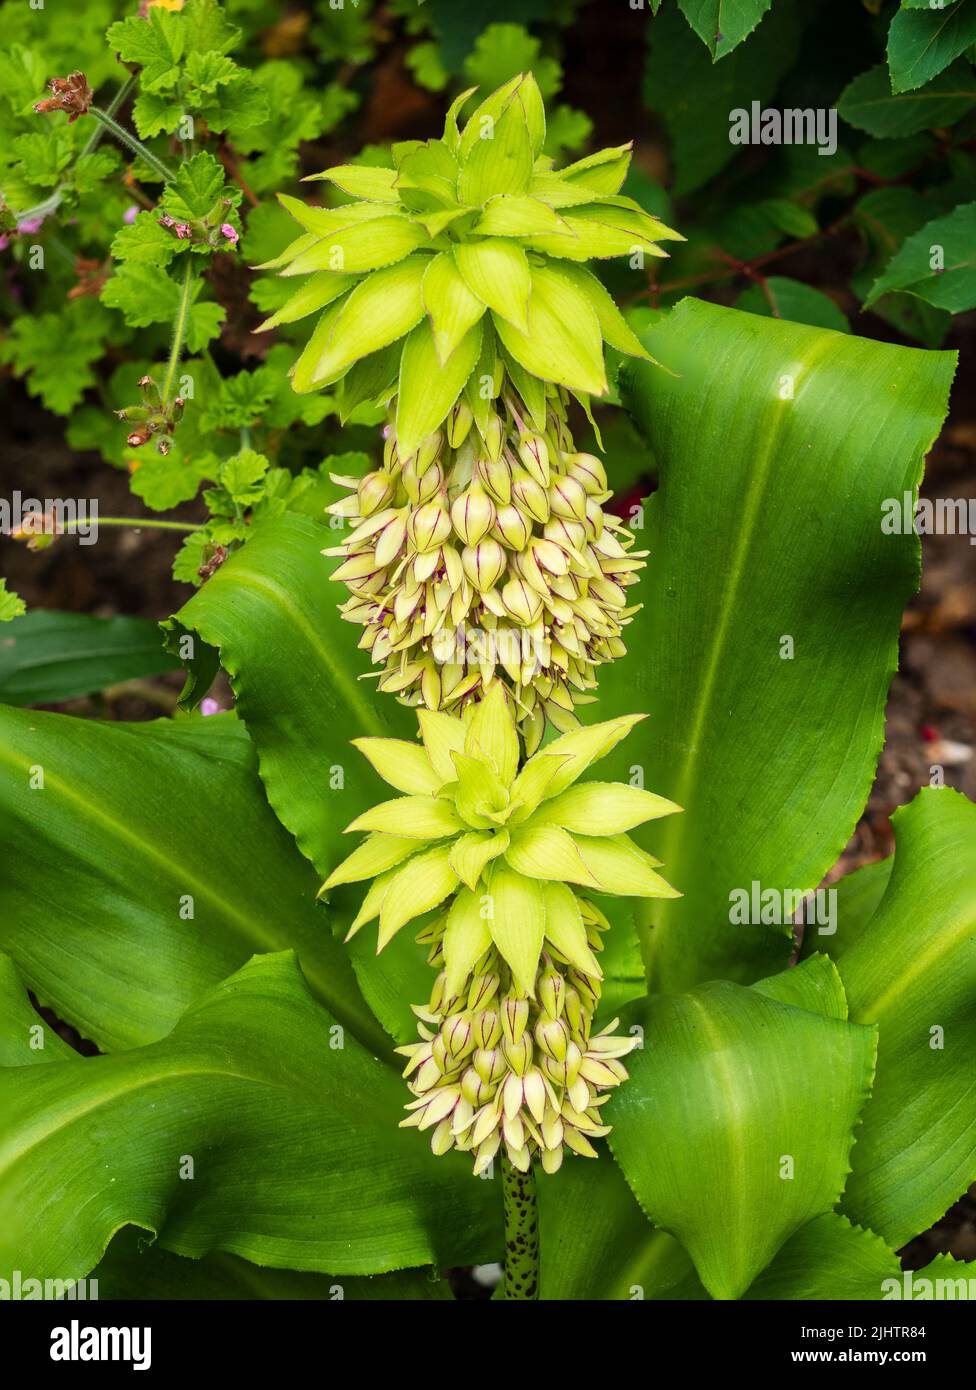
x,y
403,765
519,214
492,729
413,817
603,808
563,342
378,311
582,747
318,291
428,387
547,852
620,863
421,884
442,735
518,923
534,782
372,902
602,172
613,326
305,374
374,856
472,852
480,791
566,930
360,181
466,938
367,247
451,307
497,272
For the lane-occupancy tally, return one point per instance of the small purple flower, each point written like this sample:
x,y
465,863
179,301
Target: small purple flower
x,y
228,231
183,231
209,706
30,226
130,214
4,242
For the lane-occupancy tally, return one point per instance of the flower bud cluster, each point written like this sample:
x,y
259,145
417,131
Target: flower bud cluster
x,y
487,553
496,1068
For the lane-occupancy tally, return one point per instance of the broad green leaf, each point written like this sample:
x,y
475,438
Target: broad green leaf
x,y
768,644
291,1127
869,103
129,910
379,311
922,42
24,1038
912,970
271,612
695,97
723,24
829,1259
429,387
728,1088
497,272
46,656
937,264
563,342
451,307
131,1268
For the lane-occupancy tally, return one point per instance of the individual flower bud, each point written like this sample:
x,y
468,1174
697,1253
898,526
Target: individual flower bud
x,y
482,991
473,514
429,525
515,1017
565,532
473,1089
567,498
588,470
530,496
150,392
511,527
574,1060
593,519
459,423
518,1055
534,453
441,1055
552,992
487,1028
458,1035
521,601
489,1063
375,491
228,232
573,1007
437,993
552,1035
133,414
494,437
497,478
139,437
428,452
484,564
71,94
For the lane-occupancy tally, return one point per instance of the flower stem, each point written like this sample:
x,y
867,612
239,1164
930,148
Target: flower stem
x,y
179,329
136,146
521,1232
52,203
139,522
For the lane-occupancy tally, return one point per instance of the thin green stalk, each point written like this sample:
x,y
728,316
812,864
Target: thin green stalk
x,y
521,1232
53,202
138,522
136,146
179,329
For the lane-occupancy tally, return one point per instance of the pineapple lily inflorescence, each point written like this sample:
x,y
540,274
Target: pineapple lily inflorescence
x,y
505,858
452,289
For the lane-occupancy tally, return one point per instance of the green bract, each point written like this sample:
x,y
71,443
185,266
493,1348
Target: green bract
x,y
453,291
496,848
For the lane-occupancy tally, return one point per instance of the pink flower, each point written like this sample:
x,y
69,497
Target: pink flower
x,y
183,231
229,232
130,214
209,706
30,226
